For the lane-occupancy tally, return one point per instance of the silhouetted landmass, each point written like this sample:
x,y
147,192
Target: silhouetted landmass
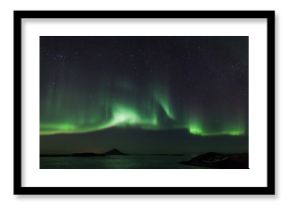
x,y
72,155
86,154
220,161
114,152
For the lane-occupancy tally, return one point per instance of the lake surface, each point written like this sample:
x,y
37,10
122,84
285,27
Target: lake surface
x,y
117,162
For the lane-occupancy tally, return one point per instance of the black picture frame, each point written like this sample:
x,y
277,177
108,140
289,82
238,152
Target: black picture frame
x,y
269,189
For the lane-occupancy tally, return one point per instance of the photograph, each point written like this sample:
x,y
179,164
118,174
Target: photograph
x,y
144,102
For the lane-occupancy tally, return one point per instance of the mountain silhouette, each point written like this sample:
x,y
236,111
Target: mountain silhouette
x,y
113,152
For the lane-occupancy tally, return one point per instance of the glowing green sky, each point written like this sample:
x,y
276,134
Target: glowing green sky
x,y
151,83
68,115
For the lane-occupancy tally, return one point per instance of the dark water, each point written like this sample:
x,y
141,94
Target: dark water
x,y
116,162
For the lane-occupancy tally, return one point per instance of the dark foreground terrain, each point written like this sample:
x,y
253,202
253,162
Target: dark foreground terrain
x,y
115,159
220,161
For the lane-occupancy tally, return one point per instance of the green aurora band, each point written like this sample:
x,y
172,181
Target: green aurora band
x,y
62,112
88,84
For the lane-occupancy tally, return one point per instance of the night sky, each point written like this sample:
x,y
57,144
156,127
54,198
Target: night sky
x,y
143,94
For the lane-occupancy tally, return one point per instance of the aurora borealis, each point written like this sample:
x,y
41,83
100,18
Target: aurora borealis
x,y
94,84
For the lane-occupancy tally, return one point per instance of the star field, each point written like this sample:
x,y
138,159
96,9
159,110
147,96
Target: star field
x,y
199,84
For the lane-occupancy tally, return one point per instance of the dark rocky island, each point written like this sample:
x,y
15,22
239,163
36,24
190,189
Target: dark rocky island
x,y
220,161
114,152
86,154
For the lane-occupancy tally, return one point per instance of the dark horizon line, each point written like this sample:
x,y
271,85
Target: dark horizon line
x,y
86,154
